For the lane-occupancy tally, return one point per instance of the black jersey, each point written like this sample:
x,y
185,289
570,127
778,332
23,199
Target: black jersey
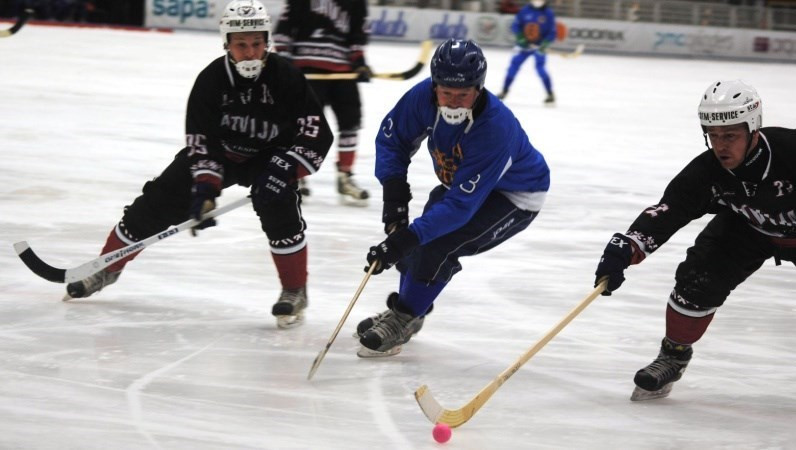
x,y
231,119
323,35
761,191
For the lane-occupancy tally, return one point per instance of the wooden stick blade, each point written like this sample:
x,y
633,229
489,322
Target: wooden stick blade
x,y
430,407
436,413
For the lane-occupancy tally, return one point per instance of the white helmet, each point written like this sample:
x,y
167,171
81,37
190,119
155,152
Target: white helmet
x,y
243,16
729,103
538,4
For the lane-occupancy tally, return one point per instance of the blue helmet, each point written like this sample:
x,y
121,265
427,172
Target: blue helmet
x,y
458,63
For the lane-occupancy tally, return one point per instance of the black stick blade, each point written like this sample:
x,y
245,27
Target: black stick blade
x,y
38,266
20,22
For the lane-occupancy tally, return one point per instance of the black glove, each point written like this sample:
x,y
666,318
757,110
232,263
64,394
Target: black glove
x,y
203,200
359,66
365,73
391,250
395,213
616,258
275,181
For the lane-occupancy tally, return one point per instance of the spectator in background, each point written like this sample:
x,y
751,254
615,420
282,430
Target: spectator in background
x,y
508,7
632,12
71,10
706,17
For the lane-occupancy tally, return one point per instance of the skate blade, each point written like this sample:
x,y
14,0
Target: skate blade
x,y
365,352
66,298
347,200
639,394
287,322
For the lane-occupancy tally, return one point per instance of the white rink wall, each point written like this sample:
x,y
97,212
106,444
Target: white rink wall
x,y
405,24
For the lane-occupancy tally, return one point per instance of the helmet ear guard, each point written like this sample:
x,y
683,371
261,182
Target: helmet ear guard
x,y
729,103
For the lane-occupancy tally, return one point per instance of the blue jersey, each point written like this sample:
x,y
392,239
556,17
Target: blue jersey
x,y
537,25
494,154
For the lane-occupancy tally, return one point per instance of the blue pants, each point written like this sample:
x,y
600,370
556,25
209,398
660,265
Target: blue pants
x,y
518,59
429,267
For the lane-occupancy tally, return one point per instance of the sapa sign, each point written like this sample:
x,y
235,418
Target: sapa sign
x,y
182,9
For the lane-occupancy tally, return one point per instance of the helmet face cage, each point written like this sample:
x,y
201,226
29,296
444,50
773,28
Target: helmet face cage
x,y
242,16
458,63
729,103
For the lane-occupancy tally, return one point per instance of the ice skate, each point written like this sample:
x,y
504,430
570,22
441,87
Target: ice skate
x,y
289,309
90,285
656,380
350,193
368,323
550,100
392,329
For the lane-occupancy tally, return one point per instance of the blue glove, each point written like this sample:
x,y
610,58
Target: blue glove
x,y
203,200
276,179
391,250
616,258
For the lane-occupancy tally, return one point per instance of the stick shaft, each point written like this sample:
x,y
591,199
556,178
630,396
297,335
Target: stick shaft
x,y
319,358
454,418
54,274
425,51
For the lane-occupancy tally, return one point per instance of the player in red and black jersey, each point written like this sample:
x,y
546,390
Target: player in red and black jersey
x,y
328,37
252,120
746,178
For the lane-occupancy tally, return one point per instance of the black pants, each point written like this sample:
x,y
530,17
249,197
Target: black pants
x,y
724,254
496,221
165,201
343,97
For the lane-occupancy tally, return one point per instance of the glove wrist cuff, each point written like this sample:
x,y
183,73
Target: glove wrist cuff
x,y
208,189
396,190
404,239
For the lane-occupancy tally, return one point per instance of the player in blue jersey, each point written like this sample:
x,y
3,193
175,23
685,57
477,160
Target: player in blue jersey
x,y
534,28
493,183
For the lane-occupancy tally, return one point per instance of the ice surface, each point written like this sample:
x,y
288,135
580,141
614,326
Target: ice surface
x,y
182,353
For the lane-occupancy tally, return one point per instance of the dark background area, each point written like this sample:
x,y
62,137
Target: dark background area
x,y
116,12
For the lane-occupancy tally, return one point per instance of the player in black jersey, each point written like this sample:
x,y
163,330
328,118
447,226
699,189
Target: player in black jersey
x,y
251,120
327,37
746,178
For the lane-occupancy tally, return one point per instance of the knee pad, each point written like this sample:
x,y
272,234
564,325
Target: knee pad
x,y
700,287
282,222
689,308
